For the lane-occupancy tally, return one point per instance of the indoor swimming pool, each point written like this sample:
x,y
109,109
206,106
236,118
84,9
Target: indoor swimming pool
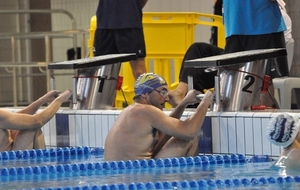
x,y
84,168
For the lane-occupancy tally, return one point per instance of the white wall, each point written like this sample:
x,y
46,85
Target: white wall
x,y
232,132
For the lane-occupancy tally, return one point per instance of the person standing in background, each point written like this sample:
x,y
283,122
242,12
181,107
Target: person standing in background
x,y
287,21
255,24
218,7
120,30
246,29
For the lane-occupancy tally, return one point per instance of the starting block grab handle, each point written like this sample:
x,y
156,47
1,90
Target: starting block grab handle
x,y
74,90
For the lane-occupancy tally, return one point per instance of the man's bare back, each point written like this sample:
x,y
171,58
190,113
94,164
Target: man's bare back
x,y
138,134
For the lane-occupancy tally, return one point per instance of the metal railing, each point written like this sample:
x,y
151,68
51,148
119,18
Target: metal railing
x,y
14,65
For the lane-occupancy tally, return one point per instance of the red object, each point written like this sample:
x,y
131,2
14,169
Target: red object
x,y
119,82
266,84
259,107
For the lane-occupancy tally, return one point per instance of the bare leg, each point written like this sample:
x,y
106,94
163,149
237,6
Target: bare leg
x,y
6,139
138,67
176,148
26,140
39,140
177,95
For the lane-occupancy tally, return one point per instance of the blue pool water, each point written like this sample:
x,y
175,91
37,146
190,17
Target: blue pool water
x,y
84,168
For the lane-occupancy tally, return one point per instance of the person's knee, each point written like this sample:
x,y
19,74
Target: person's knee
x,y
195,141
200,50
194,149
203,45
196,46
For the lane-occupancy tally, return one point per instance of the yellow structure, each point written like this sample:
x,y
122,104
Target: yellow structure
x,y
93,26
168,36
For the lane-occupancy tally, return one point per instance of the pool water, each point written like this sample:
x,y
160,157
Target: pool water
x,y
84,168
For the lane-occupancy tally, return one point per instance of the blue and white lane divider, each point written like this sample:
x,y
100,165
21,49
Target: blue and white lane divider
x,y
40,154
189,184
16,173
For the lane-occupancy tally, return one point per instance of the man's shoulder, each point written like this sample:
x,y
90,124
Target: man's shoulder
x,y
294,153
137,107
289,159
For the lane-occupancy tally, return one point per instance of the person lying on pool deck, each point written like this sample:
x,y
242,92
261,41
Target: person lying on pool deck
x,y
22,130
283,130
144,131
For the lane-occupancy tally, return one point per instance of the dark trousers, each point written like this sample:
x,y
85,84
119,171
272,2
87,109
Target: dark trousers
x,y
277,67
202,79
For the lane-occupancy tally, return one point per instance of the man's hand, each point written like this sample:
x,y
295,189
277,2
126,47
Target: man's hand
x,y
209,96
50,96
65,96
191,98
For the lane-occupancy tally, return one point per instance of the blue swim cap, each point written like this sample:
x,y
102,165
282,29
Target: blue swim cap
x,y
147,82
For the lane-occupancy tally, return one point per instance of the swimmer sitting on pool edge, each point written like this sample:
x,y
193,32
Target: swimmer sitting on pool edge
x,y
144,131
283,130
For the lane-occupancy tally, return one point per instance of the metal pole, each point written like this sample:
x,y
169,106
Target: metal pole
x,y
48,59
217,91
52,83
13,44
74,90
190,82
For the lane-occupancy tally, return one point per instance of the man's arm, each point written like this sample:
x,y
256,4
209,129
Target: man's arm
x,y
177,112
34,106
185,130
21,121
190,98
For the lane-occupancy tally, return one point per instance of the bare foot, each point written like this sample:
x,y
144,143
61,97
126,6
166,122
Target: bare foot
x,y
175,97
266,98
